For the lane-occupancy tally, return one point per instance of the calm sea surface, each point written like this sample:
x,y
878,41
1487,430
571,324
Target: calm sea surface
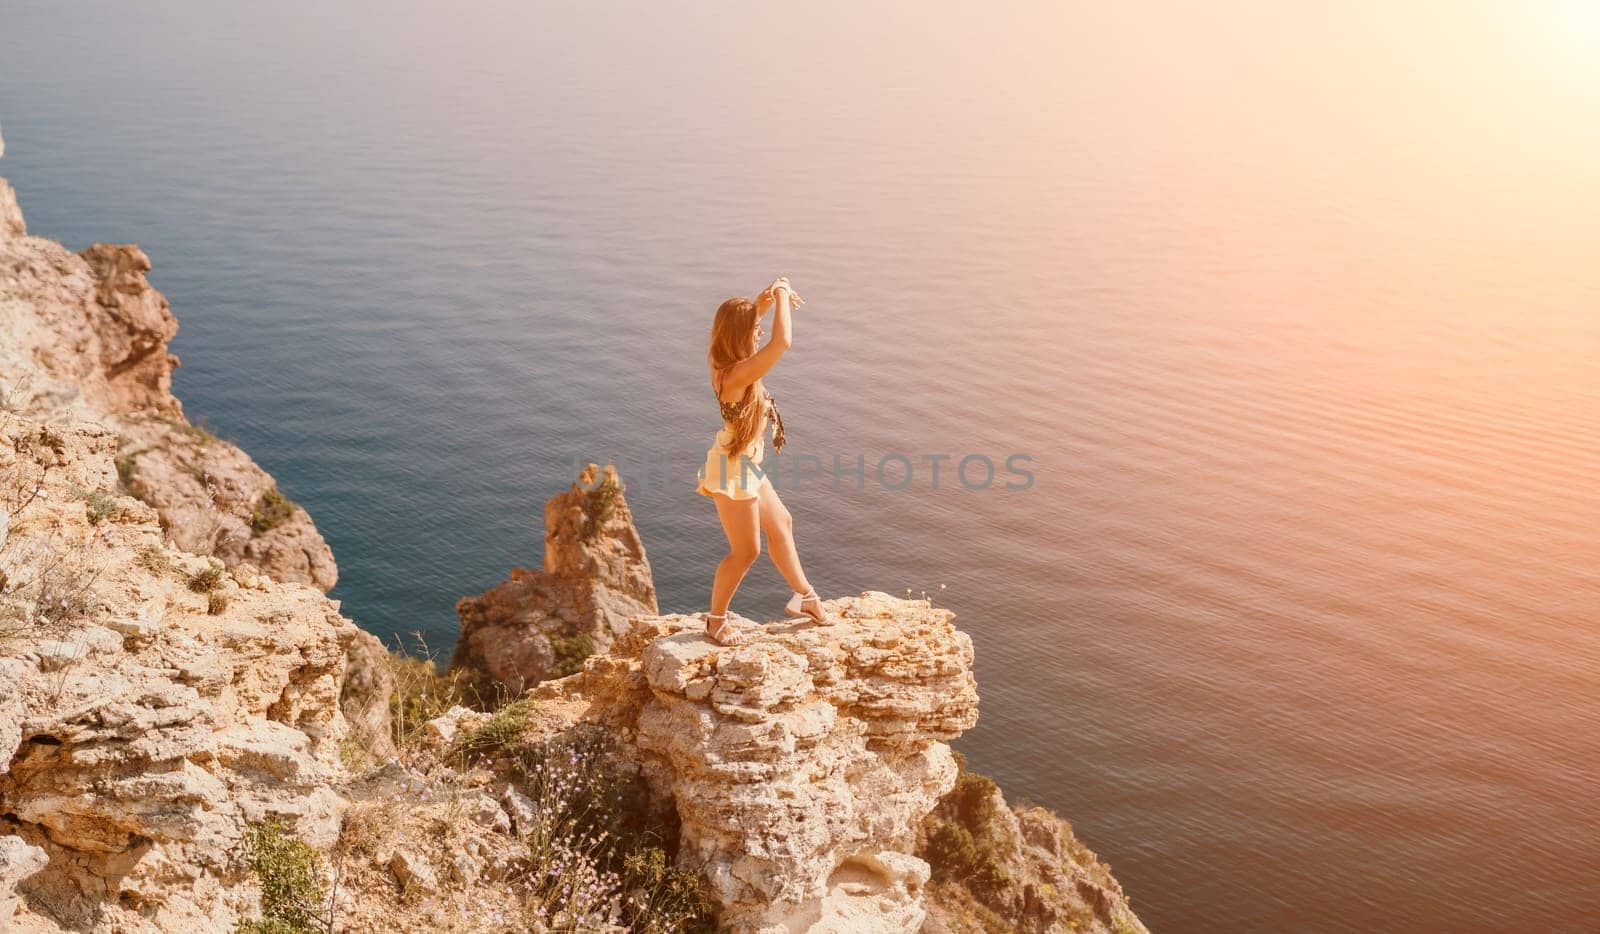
x,y
1293,308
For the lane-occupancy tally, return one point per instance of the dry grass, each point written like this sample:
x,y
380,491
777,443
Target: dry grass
x,y
207,579
422,693
49,585
153,558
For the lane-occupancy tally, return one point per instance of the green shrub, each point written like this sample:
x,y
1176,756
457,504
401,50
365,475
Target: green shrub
x,y
570,651
100,506
961,848
661,897
502,729
290,872
274,510
955,854
269,926
600,503
973,797
951,851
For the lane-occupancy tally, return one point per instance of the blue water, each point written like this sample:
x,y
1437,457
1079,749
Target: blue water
x,y
1297,620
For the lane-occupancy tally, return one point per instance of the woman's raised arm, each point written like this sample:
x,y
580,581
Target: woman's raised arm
x,y
749,370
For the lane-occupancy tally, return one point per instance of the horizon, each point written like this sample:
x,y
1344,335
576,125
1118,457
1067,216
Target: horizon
x,y
1288,312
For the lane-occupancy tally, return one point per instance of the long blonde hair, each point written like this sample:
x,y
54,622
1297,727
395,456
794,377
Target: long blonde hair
x,y
730,343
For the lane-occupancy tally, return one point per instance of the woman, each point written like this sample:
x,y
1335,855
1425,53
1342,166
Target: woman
x,y
746,501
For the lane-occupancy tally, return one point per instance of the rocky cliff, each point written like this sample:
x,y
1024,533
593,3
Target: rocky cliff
x,y
193,738
160,689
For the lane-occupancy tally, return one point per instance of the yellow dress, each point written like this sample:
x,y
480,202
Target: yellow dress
x,y
740,475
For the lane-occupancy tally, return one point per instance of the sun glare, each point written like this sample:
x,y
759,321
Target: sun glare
x,y
1568,41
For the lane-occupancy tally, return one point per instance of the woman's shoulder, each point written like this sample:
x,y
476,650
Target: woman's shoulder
x,y
722,388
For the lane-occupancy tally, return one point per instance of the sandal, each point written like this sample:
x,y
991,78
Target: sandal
x,y
720,633
808,605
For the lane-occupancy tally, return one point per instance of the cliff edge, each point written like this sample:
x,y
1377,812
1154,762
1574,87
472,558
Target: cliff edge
x,y
86,337
193,738
171,671
802,763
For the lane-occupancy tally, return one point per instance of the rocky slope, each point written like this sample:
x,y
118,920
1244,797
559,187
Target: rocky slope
x,y
194,739
152,703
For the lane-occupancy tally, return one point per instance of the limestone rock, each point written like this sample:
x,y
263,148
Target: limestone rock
x,y
12,226
522,810
54,655
413,872
143,726
139,732
1046,880
443,730
538,624
589,534
213,499
482,809
802,763
365,695
134,324
18,861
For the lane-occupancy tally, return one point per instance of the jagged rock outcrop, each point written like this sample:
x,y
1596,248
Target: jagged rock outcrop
x,y
86,337
541,624
153,701
11,224
213,499
801,764
134,323
1021,869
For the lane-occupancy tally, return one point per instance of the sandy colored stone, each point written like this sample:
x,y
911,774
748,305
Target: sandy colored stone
x,y
443,730
141,733
802,763
413,872
595,579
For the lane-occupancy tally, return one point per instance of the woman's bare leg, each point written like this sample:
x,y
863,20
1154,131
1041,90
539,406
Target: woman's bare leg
x,y
779,526
740,523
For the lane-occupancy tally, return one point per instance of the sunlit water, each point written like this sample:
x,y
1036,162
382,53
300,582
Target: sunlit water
x,y
1296,315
